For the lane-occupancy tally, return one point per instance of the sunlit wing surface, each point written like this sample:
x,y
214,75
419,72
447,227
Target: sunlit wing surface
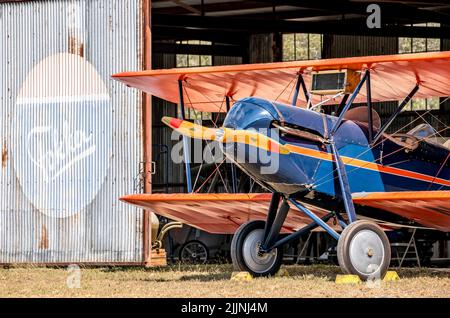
x,y
392,78
429,208
217,213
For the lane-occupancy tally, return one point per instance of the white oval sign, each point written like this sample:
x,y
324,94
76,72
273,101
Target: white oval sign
x,y
62,132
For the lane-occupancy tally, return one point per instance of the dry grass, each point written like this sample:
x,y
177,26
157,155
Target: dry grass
x,y
213,281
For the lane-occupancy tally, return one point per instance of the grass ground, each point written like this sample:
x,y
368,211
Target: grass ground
x,y
211,281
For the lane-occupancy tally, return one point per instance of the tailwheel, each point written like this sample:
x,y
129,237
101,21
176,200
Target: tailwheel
x,y
246,254
194,252
363,249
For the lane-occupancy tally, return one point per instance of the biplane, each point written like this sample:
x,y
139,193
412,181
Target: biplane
x,y
340,172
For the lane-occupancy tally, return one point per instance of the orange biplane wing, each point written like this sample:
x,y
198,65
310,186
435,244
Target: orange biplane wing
x,y
429,208
392,78
217,213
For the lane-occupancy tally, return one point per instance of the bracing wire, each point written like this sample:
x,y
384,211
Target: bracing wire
x,y
208,145
383,157
373,146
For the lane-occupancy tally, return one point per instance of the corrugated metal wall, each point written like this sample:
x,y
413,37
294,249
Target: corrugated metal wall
x,y
71,137
348,46
260,48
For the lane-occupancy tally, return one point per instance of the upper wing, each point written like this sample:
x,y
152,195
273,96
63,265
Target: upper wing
x,y
392,78
217,213
429,208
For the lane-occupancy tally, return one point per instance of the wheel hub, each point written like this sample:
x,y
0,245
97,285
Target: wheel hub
x,y
255,259
366,252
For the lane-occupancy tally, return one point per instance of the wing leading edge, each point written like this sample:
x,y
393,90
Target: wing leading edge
x,y
205,87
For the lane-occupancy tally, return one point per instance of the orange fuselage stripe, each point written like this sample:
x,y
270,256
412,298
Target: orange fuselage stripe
x,y
367,165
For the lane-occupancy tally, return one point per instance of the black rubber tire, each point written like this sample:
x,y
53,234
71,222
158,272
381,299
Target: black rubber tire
x,y
343,249
195,242
236,251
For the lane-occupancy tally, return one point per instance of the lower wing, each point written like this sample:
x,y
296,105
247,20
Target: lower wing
x,y
428,208
217,213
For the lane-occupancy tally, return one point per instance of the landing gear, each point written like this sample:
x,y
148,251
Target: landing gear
x,y
194,252
363,249
246,253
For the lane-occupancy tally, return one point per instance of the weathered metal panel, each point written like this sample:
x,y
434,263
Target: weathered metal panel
x,y
261,48
71,138
348,45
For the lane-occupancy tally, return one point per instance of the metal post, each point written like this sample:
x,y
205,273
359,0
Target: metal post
x,y
343,182
369,105
273,207
299,233
395,114
186,152
274,230
301,82
297,88
316,219
233,167
349,103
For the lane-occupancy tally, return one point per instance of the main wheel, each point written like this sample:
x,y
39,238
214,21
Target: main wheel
x,y
194,252
246,254
364,250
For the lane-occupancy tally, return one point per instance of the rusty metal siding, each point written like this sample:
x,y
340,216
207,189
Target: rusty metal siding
x,y
70,136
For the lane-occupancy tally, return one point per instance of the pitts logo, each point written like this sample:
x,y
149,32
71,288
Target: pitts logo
x,y
54,152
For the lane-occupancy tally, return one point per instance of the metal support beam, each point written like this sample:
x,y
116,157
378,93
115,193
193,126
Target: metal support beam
x,y
315,218
300,82
186,152
273,207
395,114
349,103
297,88
233,166
341,104
277,224
299,233
188,23
369,105
344,185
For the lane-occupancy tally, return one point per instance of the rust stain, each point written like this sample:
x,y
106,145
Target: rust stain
x,y
4,155
43,244
75,47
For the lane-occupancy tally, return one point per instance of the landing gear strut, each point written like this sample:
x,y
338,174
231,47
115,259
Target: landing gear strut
x,y
363,248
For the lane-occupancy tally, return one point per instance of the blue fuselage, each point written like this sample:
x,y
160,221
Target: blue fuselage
x,y
387,166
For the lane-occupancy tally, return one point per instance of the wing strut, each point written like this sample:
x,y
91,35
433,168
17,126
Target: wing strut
x,y
300,82
395,114
233,167
186,152
340,167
